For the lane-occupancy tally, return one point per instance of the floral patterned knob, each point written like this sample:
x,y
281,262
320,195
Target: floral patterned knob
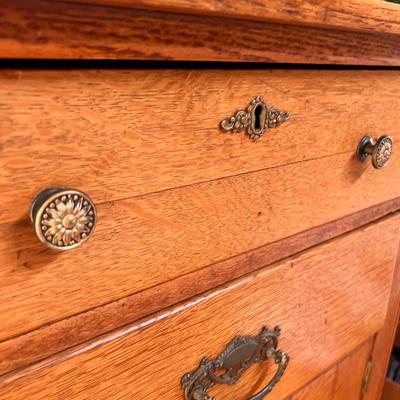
x,y
380,150
63,218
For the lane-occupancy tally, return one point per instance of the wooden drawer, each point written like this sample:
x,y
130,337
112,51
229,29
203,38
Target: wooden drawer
x,y
174,193
121,133
327,301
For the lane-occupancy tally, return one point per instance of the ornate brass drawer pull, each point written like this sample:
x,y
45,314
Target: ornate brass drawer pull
x,y
380,150
256,119
240,354
63,218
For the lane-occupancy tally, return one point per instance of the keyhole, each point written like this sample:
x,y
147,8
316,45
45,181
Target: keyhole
x,y
257,115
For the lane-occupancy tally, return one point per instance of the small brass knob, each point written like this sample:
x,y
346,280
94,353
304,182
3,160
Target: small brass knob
x,y
63,218
380,150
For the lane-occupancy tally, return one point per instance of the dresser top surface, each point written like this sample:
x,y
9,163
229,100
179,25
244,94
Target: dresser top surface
x,y
360,32
354,15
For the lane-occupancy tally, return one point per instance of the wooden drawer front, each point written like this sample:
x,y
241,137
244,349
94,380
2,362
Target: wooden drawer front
x,y
117,134
327,300
146,146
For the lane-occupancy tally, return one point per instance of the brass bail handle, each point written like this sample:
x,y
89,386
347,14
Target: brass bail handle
x,y
282,360
239,355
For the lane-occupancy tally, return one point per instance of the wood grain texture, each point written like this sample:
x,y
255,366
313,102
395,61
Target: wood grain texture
x,y
36,345
384,340
341,382
354,15
120,133
165,132
144,241
48,29
147,360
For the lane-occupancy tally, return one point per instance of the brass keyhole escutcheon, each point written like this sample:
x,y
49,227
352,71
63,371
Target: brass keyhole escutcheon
x,y
255,120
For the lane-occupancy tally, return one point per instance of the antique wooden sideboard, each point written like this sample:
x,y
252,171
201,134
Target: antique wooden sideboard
x,y
199,199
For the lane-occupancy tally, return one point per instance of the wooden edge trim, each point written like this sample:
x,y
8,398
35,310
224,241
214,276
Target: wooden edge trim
x,y
353,15
56,30
384,340
31,347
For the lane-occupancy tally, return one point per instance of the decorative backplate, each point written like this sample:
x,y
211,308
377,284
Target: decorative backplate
x,y
256,119
239,355
63,219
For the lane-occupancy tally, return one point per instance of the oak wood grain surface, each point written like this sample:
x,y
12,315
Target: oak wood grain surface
x,y
121,133
374,15
38,344
317,331
144,241
384,340
342,381
49,29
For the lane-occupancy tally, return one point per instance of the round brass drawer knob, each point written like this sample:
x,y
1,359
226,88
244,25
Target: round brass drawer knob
x,y
63,218
380,150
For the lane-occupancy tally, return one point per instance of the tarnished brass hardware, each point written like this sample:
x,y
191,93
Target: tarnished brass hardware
x,y
380,150
240,354
256,119
63,218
